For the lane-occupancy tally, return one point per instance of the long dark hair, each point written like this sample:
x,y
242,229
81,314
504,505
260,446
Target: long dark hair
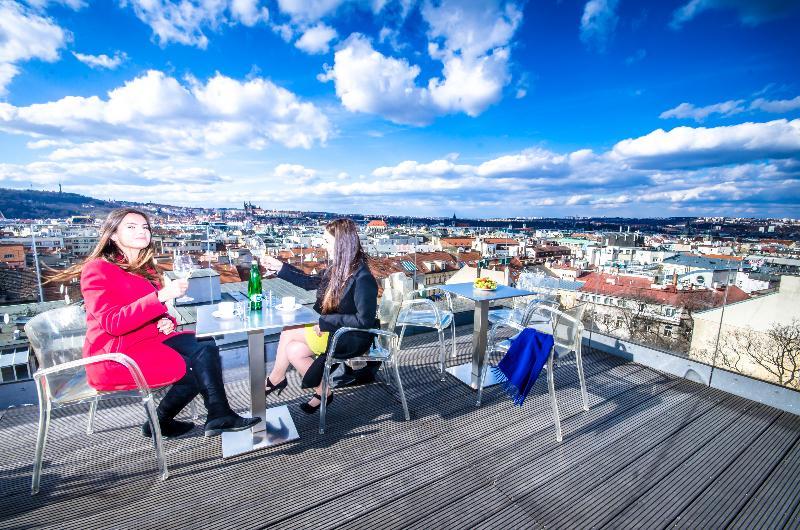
x,y
106,249
348,256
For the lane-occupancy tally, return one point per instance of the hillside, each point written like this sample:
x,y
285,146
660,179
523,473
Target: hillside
x,y
34,204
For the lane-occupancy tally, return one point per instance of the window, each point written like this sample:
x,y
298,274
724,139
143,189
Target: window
x,y
668,331
8,256
620,322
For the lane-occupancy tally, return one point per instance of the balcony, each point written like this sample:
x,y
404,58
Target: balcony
x,y
654,450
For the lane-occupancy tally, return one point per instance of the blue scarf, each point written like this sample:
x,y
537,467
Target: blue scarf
x,y
521,365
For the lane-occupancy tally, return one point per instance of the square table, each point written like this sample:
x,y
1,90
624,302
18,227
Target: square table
x,y
277,426
470,373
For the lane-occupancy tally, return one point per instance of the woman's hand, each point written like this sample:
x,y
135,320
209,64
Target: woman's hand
x,y
271,264
317,330
174,289
166,326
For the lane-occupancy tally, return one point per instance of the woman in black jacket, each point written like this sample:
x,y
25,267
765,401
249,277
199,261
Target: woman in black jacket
x,y
347,296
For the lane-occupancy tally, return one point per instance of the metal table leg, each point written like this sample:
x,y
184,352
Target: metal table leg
x,y
277,426
469,373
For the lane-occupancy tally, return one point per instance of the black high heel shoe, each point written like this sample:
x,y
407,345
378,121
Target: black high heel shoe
x,y
311,409
270,388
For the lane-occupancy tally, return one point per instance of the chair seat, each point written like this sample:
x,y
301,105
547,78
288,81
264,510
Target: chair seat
x,y
70,387
504,315
375,353
504,345
424,318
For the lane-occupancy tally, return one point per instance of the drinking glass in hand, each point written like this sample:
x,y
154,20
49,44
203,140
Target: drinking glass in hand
x,y
182,267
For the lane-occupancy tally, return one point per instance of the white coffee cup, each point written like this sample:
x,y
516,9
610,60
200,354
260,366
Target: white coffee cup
x,y
287,302
226,309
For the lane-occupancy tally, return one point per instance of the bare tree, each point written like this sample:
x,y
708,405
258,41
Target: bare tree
x,y
776,350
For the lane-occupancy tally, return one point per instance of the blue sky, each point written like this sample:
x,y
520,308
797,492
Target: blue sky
x,y
423,107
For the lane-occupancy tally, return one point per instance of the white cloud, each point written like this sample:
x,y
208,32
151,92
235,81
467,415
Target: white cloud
x,y
316,39
309,10
598,22
160,115
751,12
25,35
102,60
698,147
699,114
72,4
471,39
294,174
184,22
776,105
368,81
248,12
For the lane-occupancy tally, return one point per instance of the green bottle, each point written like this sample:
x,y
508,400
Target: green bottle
x,y
254,287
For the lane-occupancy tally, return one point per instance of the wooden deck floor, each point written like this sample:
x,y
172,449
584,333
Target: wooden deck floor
x,y
654,451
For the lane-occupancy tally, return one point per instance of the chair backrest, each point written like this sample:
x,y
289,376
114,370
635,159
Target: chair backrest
x,y
395,288
57,336
567,326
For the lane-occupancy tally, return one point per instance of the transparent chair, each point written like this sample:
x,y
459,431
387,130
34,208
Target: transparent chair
x,y
567,330
384,348
520,311
57,337
416,310
385,345
523,310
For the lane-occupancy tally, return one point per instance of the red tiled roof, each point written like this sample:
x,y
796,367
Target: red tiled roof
x,y
377,222
724,256
457,241
638,288
469,257
501,241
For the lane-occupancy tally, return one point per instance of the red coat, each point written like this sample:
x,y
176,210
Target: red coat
x,y
122,311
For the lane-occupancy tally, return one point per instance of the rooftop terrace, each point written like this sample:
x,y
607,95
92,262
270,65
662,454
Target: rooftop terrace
x,y
653,451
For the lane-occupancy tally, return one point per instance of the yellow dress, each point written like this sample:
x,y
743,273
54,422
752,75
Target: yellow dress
x,y
318,344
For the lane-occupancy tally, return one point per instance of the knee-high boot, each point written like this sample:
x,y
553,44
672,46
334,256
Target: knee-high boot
x,y
180,394
207,368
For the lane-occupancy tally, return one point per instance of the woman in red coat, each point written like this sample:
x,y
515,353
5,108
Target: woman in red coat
x,y
126,313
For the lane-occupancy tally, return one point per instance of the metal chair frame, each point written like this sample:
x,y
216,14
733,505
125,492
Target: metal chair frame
x,y
50,398
556,318
376,353
439,316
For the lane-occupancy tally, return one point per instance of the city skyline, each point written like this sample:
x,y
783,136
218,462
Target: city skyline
x,y
485,108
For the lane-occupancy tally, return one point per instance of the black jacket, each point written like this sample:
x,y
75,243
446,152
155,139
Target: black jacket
x,y
357,307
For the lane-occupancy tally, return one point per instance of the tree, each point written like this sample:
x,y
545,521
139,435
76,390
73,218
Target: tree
x,y
776,351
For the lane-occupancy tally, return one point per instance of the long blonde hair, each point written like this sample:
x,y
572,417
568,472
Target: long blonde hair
x,y
107,249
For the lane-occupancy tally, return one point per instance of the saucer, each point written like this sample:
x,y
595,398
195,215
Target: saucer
x,y
280,307
217,314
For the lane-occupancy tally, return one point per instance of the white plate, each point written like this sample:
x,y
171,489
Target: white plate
x,y
217,314
280,307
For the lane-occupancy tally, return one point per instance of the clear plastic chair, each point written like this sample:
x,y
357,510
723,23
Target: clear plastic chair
x,y
57,337
523,310
520,311
385,346
416,310
567,330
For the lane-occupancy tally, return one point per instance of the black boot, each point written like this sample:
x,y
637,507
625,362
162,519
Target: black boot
x,y
169,428
220,418
180,394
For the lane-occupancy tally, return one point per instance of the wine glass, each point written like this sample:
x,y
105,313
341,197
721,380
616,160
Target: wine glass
x,y
182,267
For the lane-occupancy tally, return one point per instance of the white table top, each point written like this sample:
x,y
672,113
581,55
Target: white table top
x,y
467,290
267,319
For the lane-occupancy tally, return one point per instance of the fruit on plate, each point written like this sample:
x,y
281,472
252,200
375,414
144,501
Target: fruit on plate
x,y
485,284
